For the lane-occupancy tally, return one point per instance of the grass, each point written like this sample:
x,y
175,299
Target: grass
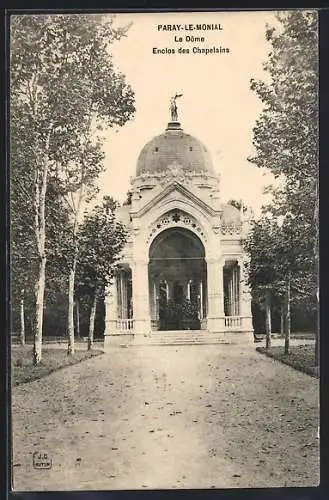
x,y
293,335
23,371
301,357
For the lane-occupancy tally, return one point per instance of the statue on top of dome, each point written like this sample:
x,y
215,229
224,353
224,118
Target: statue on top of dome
x,y
173,108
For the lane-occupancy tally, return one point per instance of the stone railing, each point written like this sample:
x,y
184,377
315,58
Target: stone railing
x,y
124,324
232,322
127,325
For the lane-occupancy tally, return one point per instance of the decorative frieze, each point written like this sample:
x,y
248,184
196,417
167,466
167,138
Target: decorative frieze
x,y
230,228
179,218
174,173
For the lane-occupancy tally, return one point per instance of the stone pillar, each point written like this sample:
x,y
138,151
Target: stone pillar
x,y
140,286
170,290
154,289
237,306
111,310
123,294
116,284
154,300
215,319
235,291
188,290
201,300
232,292
245,300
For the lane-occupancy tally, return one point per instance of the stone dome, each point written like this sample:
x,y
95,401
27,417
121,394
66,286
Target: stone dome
x,y
174,146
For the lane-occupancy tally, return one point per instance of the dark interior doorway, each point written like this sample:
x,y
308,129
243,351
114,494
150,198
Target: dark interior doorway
x,y
177,280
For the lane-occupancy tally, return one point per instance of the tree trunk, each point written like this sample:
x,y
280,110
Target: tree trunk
x,y
77,316
288,318
70,320
38,325
70,317
40,190
22,317
92,322
268,322
282,321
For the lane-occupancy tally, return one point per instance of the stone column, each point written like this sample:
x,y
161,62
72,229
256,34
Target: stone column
x,y
201,299
118,292
237,282
188,290
123,293
231,293
154,288
235,288
170,288
154,300
215,319
111,310
140,286
245,300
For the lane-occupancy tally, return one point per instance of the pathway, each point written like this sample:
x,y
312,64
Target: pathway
x,y
168,417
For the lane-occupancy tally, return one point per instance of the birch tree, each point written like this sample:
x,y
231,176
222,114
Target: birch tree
x,y
61,73
78,188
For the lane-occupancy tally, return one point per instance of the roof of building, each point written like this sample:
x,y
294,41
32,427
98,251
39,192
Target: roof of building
x,y
174,146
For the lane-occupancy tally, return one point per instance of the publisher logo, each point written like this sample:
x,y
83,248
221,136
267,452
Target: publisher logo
x,y
41,460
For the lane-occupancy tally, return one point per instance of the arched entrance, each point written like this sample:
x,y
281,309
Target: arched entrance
x,y
177,281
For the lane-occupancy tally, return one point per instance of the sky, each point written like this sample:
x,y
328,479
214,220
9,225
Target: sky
x,y
217,105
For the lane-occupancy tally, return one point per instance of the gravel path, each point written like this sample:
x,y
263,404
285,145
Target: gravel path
x,y
168,417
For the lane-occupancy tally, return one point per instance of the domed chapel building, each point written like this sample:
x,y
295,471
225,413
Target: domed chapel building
x,y
180,276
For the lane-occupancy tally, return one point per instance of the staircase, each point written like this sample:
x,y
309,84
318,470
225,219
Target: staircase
x,y
186,337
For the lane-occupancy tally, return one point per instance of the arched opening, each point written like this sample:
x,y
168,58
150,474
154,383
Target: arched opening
x,y
177,281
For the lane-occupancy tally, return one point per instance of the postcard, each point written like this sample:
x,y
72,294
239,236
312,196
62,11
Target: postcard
x,y
164,250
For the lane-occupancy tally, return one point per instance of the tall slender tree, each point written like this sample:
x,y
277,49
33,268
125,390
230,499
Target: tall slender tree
x,y
277,268
23,254
286,135
78,188
62,76
102,238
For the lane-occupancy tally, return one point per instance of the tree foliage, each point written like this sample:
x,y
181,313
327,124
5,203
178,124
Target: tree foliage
x,y
101,240
286,134
238,204
285,138
64,91
273,254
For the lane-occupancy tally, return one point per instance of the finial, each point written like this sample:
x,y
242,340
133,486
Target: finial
x,y
173,107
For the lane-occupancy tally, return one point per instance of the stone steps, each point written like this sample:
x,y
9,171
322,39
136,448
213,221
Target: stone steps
x,y
180,337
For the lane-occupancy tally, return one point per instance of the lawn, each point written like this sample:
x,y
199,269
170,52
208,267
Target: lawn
x,y
22,369
301,357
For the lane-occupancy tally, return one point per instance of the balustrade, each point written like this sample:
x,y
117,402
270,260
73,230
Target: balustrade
x,y
232,322
124,324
